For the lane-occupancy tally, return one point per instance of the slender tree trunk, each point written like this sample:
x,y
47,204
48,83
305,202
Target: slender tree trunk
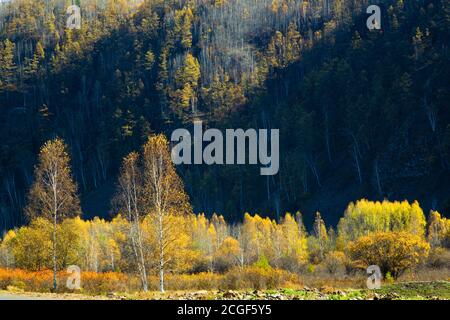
x,y
377,174
161,253
55,215
54,254
141,254
358,168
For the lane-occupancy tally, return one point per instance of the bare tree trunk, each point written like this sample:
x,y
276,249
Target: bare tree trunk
x,y
141,253
377,175
54,255
161,252
54,235
142,268
358,167
327,135
313,167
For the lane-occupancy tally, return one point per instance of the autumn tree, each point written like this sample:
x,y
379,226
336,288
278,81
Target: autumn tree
x,y
53,194
183,23
318,241
165,196
364,217
393,252
31,67
184,98
222,96
6,253
294,248
32,246
284,49
228,254
7,66
438,232
255,238
204,236
130,200
149,60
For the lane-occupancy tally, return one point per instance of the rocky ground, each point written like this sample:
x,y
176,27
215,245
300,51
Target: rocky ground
x,y
436,290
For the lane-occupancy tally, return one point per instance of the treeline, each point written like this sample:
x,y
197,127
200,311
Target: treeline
x,y
366,109
211,245
155,231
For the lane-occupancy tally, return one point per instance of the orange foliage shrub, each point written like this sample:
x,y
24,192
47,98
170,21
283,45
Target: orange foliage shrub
x,y
94,282
42,281
253,277
26,280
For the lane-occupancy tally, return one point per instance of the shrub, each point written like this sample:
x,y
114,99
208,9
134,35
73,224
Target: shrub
x,y
254,277
263,263
439,258
335,262
42,281
96,282
393,252
227,255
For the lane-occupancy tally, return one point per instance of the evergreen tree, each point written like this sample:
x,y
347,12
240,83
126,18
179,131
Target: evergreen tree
x,y
7,66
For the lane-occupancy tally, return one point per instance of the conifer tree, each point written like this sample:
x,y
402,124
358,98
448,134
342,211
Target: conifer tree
x,y
7,66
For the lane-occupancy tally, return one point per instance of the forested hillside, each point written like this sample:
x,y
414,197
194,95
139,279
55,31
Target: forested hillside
x,y
361,113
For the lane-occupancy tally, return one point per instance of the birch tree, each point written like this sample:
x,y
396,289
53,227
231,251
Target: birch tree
x,y
53,194
131,202
165,195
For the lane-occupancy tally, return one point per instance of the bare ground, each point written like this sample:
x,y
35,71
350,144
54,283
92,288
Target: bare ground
x,y
430,290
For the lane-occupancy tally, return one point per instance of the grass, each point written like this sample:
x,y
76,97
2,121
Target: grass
x,y
400,291
418,290
411,290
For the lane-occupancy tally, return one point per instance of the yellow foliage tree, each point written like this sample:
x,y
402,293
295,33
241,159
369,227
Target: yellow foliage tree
x,y
294,246
165,198
187,78
32,246
53,194
6,255
438,233
365,217
318,243
229,254
393,252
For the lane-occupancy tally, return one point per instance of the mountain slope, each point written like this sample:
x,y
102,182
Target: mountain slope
x,y
361,114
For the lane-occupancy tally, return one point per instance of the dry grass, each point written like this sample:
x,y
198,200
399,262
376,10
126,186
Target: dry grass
x,y
248,278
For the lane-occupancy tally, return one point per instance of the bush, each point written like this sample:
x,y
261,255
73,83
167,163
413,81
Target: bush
x,y
254,277
439,258
335,262
42,281
393,252
94,282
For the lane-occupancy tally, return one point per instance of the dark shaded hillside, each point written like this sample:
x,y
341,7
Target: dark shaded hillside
x,y
368,112
361,114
